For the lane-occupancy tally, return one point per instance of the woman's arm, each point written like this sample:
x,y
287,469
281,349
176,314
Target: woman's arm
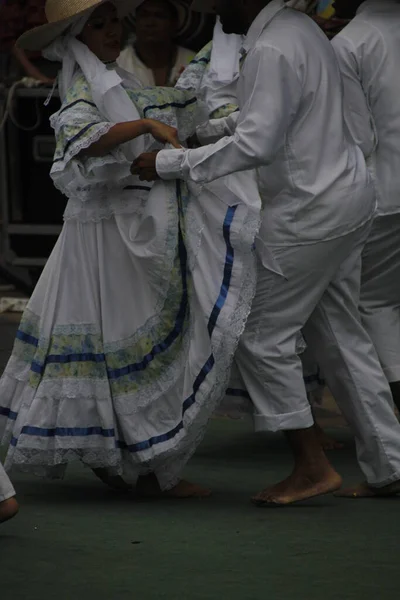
x,y
125,132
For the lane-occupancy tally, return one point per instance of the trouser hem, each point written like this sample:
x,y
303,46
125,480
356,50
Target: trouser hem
x,y
286,422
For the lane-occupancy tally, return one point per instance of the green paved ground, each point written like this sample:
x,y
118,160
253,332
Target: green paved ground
x,y
74,540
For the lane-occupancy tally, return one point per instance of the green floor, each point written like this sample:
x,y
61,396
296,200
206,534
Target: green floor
x,y
74,540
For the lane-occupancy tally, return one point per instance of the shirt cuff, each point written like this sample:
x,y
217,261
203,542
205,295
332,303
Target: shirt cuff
x,y
169,164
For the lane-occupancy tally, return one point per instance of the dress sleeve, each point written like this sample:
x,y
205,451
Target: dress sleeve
x,y
77,125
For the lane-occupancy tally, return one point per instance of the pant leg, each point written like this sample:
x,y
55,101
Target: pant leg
x,y
6,488
266,356
353,372
380,292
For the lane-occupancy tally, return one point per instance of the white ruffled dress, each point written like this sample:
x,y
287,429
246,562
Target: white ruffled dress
x,y
125,348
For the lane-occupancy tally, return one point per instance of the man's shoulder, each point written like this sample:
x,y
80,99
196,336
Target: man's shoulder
x,y
363,31
294,35
288,27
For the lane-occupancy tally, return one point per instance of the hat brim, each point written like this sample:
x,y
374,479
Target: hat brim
x,y
40,37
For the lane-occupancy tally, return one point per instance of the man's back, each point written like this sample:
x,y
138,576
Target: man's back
x,y
314,184
368,50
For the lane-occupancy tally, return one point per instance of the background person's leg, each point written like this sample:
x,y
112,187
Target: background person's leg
x,y
380,296
354,375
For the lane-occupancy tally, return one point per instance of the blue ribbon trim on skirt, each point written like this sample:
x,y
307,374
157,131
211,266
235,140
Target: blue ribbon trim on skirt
x,y
207,367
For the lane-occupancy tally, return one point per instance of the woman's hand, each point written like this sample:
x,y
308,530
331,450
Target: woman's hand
x,y
163,133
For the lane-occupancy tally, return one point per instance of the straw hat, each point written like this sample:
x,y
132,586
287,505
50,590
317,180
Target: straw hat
x,y
60,15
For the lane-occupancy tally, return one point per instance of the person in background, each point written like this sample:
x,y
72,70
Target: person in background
x,y
367,51
153,55
327,19
16,17
8,502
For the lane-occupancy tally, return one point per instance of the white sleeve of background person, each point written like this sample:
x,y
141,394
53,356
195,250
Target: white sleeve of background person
x,y
358,115
274,96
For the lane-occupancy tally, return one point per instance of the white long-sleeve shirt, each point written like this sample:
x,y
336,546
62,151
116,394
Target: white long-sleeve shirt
x,y
312,178
368,51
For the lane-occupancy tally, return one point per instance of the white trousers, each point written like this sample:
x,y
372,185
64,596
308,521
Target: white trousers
x,y
319,293
6,488
380,292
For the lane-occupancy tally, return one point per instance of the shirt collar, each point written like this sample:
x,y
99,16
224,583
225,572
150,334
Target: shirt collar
x,y
261,21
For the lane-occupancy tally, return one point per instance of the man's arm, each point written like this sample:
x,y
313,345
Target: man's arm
x,y
358,115
273,100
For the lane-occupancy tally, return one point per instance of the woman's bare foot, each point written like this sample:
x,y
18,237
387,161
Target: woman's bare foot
x,y
148,487
363,490
326,441
302,484
115,482
8,509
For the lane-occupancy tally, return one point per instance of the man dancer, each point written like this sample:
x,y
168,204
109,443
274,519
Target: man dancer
x,y
8,503
218,90
368,51
318,207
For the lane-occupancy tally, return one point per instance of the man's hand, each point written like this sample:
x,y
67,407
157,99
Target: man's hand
x,y
145,167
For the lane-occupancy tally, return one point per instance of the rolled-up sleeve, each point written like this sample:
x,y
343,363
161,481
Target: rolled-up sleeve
x,y
272,102
358,116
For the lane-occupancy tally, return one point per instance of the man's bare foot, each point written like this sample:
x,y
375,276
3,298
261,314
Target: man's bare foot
x,y
115,482
8,509
363,490
302,484
148,487
327,443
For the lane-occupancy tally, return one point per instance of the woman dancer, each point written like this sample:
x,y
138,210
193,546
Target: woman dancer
x,y
126,345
